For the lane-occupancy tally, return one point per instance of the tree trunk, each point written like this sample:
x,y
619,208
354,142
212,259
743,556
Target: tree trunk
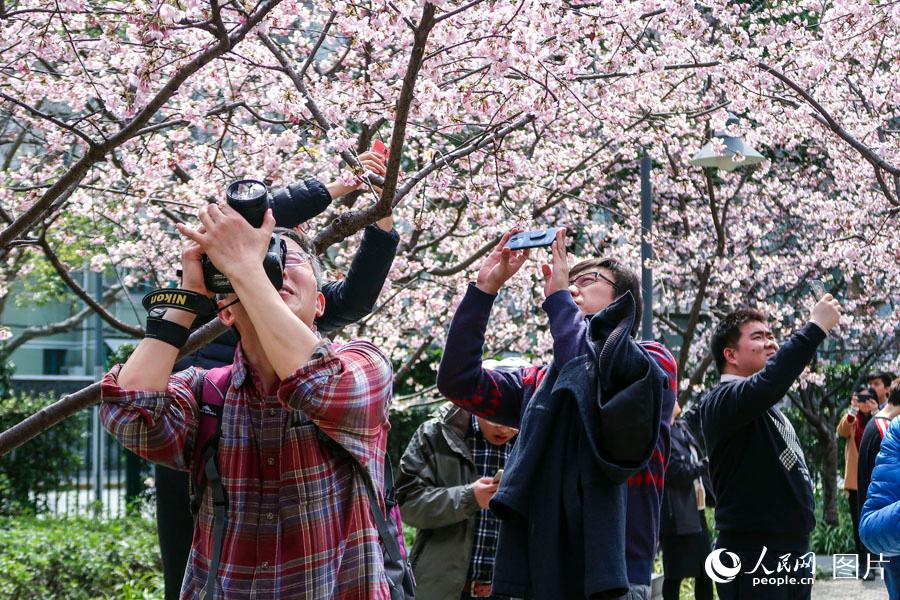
x,y
829,477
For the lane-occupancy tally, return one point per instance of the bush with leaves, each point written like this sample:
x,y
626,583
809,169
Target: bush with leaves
x,y
29,472
77,558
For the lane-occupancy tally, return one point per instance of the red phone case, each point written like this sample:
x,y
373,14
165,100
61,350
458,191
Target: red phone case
x,y
378,147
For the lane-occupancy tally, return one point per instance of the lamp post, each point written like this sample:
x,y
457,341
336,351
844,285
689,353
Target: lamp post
x,y
646,248
738,153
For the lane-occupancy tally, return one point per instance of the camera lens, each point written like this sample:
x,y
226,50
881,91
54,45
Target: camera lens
x,y
250,198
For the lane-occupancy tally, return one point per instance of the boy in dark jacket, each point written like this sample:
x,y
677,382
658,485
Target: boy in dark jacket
x,y
571,296
764,499
447,478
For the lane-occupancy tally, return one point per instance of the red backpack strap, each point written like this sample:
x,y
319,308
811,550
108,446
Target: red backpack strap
x,y
882,424
209,428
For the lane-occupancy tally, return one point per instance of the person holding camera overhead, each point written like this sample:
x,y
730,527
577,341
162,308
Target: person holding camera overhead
x,y
346,301
302,422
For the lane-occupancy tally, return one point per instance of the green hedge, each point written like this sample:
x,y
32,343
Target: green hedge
x,y
78,558
37,467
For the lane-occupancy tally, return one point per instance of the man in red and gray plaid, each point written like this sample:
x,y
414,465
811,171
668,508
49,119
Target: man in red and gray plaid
x,y
298,516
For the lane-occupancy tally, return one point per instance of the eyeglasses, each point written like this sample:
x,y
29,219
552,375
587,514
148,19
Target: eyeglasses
x,y
586,279
295,258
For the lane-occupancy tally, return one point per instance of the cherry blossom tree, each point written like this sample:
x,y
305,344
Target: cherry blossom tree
x,y
119,118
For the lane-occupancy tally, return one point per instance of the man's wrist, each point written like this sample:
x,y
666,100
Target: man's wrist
x,y
488,289
819,325
180,317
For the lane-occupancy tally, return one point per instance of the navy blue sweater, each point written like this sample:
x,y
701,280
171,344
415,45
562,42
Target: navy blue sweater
x,y
502,396
762,485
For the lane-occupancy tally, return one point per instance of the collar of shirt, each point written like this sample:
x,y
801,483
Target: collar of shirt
x,y
725,378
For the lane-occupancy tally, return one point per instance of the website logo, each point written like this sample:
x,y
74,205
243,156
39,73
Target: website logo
x,y
720,572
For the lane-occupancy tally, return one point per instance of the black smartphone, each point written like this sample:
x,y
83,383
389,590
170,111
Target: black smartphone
x,y
536,238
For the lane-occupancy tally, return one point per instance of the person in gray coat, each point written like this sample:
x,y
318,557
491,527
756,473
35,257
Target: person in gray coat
x,y
448,474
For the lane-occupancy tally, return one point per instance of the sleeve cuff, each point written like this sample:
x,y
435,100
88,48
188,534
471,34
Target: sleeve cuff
x,y
814,331
379,238
151,404
558,301
473,294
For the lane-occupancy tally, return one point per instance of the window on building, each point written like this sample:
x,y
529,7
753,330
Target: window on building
x,y
54,361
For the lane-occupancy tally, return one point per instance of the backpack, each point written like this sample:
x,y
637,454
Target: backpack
x,y
205,474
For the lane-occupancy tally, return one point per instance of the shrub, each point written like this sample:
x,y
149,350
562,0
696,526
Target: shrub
x,y
827,539
33,469
77,558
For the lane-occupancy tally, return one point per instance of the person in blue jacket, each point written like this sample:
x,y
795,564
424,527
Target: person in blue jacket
x,y
879,523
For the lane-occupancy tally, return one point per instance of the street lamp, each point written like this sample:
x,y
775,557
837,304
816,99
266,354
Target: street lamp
x,y
738,153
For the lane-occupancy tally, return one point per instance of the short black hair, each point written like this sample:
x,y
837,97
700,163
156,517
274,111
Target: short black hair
x,y
625,279
885,377
728,332
894,393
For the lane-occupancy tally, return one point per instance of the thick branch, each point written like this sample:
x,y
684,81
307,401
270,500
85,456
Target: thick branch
x,y
49,416
867,153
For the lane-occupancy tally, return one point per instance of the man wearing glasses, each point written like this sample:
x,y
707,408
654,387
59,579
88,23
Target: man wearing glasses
x,y
448,475
571,296
303,427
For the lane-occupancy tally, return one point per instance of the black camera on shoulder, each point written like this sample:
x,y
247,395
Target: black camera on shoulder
x,y
251,199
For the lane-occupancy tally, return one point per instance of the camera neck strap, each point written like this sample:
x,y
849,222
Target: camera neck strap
x,y
158,300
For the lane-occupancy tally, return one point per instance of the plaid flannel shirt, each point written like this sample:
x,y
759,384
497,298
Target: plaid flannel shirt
x,y
488,458
299,521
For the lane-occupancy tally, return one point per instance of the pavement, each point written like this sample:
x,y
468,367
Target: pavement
x,y
826,588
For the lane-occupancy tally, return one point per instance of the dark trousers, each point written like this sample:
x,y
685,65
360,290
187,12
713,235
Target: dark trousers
x,y
175,526
703,588
862,552
748,585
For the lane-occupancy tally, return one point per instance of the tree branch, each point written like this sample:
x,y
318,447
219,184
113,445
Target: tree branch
x,y
79,291
98,151
49,416
63,326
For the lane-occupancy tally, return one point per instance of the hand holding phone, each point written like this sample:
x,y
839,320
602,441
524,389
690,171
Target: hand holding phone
x,y
536,238
498,475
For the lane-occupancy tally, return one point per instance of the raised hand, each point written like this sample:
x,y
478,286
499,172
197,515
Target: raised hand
x,y
556,274
501,264
826,313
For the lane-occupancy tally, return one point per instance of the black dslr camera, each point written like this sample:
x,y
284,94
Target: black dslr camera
x,y
251,199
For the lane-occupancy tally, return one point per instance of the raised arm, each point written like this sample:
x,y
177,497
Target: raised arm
x,y
352,298
159,426
346,391
753,396
494,395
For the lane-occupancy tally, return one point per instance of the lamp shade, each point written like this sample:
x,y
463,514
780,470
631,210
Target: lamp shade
x,y
737,154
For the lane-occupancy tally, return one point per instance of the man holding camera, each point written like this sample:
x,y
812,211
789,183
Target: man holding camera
x,y
564,497
755,458
303,425
346,301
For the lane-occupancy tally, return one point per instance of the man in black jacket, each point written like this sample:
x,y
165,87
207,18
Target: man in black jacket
x,y
764,498
346,301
